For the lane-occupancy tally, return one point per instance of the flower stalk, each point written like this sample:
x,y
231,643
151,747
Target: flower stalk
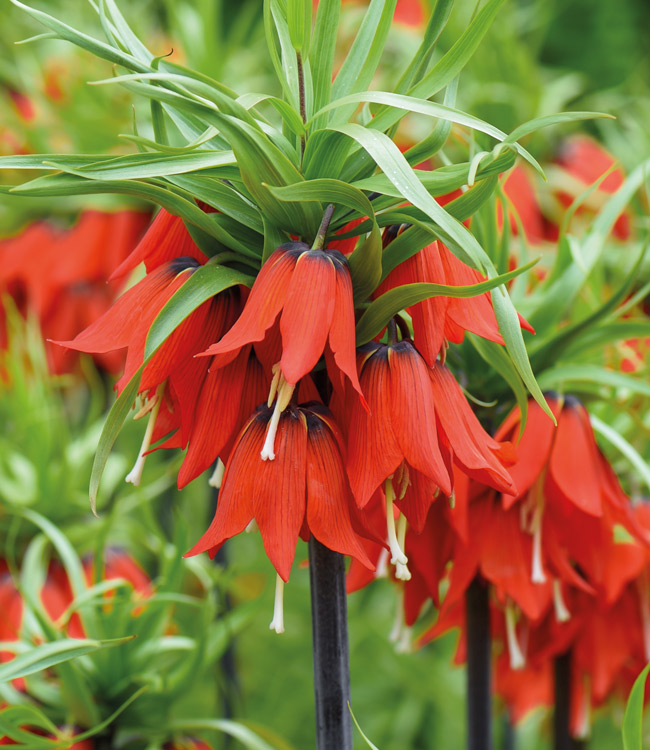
x,y
330,647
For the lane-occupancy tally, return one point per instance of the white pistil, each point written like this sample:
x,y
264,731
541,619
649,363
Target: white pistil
x,y
217,475
562,613
277,623
537,574
583,729
398,558
135,475
283,391
382,564
517,660
401,571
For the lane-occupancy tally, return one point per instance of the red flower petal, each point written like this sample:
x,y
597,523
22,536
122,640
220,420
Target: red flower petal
x,y
413,415
328,493
307,314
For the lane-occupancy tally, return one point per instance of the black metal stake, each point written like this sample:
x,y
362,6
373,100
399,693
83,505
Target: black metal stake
x,y
562,712
330,644
479,701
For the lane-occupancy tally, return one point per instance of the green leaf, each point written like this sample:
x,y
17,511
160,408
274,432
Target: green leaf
x,y
141,166
633,718
382,309
321,54
417,67
561,375
498,360
325,190
48,655
286,111
356,724
206,282
299,22
449,66
365,265
547,120
361,62
245,735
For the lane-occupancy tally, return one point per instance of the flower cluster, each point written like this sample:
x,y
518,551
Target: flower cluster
x,y
566,558
308,434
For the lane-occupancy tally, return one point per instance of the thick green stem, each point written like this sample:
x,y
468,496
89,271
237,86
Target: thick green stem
x,y
319,241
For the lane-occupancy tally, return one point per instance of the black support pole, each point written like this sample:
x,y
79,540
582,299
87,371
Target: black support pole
x,y
330,644
479,701
562,712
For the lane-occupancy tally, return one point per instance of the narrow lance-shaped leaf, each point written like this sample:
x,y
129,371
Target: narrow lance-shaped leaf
x,y
48,655
633,718
389,158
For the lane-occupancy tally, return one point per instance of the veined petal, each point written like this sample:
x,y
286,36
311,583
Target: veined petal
x,y
215,417
241,482
413,415
307,314
534,447
266,299
342,331
166,238
280,500
474,314
473,449
328,492
373,451
575,459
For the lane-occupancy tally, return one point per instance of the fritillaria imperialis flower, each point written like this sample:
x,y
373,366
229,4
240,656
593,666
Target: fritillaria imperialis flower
x,y
173,374
418,427
167,238
303,491
309,291
440,320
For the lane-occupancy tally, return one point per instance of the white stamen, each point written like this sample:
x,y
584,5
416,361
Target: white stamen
x,y
135,475
397,555
217,475
252,526
284,393
562,614
517,660
401,571
537,574
404,644
268,450
382,564
584,727
277,623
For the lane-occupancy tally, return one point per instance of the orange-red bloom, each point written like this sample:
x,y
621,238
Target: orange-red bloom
x,y
303,491
310,291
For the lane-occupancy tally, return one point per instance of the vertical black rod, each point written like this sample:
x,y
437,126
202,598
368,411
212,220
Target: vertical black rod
x,y
562,712
330,644
479,701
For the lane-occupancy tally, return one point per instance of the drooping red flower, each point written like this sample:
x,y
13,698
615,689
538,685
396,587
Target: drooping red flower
x,y
303,491
167,238
310,291
440,319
